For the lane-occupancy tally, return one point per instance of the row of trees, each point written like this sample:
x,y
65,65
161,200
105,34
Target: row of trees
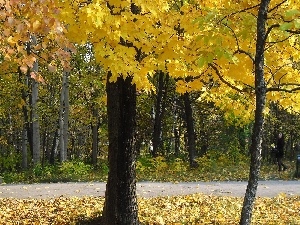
x,y
223,50
164,121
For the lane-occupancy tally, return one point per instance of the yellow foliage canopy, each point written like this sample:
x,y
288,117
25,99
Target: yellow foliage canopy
x,y
137,38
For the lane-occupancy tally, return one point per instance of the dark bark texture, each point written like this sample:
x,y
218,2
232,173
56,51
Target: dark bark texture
x,y
260,92
159,111
120,206
190,129
95,127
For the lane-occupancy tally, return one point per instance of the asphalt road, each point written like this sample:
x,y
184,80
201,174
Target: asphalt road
x,y
149,189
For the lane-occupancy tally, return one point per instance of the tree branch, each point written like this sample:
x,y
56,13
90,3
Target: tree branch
x,y
246,53
277,6
243,10
279,89
225,81
276,42
270,29
293,31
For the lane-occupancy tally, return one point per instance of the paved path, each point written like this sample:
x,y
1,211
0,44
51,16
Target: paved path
x,y
149,189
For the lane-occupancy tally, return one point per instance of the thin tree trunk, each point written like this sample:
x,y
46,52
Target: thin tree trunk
x,y
120,197
95,127
191,143
64,117
176,142
26,125
54,147
176,129
35,120
260,93
24,148
159,111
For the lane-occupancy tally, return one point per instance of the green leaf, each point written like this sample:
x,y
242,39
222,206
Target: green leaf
x,y
292,12
297,24
201,62
286,26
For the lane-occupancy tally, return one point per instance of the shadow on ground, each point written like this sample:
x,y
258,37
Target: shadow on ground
x,y
94,219
91,221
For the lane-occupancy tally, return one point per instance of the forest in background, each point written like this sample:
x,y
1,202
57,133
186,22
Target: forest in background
x,y
161,118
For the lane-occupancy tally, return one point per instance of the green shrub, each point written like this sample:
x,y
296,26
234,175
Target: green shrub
x,y
9,161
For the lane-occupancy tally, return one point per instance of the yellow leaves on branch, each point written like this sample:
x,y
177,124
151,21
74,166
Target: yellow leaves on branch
x,y
31,30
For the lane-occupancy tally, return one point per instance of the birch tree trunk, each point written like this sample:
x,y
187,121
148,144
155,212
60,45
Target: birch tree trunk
x,y
64,117
260,93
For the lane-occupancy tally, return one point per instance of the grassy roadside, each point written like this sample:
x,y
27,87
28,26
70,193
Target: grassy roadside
x,y
212,167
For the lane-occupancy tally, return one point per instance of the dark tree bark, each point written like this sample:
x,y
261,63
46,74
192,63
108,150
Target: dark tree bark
x,y
177,142
95,127
191,143
159,111
120,197
260,93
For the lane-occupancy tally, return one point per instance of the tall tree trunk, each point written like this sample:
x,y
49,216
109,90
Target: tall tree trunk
x,y
54,147
176,128
26,136
176,142
64,117
260,93
24,148
36,145
120,197
191,143
159,111
95,127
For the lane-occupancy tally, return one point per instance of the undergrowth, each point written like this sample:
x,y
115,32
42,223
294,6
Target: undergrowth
x,y
213,166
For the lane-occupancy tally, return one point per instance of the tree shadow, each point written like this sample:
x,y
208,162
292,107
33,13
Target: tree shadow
x,y
95,219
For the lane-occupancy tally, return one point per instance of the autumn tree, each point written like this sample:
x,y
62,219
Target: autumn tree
x,y
129,57
253,71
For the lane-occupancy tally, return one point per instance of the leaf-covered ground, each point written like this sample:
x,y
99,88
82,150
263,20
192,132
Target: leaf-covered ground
x,y
190,209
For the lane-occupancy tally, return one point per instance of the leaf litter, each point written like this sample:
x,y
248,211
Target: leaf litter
x,y
187,209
